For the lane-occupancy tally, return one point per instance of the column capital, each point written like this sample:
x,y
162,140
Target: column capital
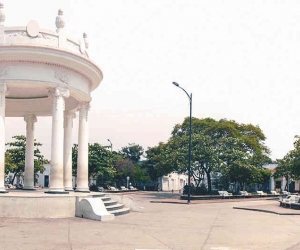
x,y
84,108
84,105
3,88
30,118
3,93
70,114
59,92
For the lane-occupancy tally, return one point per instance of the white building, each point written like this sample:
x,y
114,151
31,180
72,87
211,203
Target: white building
x,y
43,179
173,182
279,184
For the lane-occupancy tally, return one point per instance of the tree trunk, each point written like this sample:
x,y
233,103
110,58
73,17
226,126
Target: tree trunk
x,y
13,179
239,186
208,182
197,180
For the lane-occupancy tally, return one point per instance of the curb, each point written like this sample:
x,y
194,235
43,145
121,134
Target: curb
x,y
172,202
265,211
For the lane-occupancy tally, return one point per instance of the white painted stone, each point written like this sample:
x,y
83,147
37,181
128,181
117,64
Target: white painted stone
x,y
30,119
128,201
33,28
92,208
83,149
3,90
68,125
37,207
60,22
2,15
56,172
34,60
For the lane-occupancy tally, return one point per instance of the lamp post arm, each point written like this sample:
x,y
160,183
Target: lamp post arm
x,y
189,96
110,145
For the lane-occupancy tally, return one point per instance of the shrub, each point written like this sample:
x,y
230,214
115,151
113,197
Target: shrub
x,y
93,187
202,190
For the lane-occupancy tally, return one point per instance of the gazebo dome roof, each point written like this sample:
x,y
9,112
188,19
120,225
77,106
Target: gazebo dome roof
x,y
33,60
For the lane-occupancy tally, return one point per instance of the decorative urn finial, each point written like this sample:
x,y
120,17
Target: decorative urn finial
x,y
60,22
86,43
2,15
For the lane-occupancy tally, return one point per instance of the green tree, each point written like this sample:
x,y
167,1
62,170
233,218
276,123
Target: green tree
x,y
133,152
140,174
285,167
159,160
125,167
217,146
15,157
9,164
289,165
100,162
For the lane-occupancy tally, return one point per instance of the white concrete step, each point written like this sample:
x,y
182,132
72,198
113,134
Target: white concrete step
x,y
98,195
109,203
105,198
121,211
114,207
94,209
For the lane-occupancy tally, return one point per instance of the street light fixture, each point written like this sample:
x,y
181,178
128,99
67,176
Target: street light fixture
x,y
190,142
110,145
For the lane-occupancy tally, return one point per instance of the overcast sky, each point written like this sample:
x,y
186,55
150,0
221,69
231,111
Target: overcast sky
x,y
239,59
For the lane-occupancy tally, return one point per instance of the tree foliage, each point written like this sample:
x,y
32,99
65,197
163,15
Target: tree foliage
x,y
289,165
100,164
15,157
133,152
223,146
128,164
112,168
159,160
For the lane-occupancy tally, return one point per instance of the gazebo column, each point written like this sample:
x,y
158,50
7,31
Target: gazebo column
x,y
30,119
68,125
56,167
83,149
3,90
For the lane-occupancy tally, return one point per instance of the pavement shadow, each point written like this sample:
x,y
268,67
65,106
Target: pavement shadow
x,y
162,195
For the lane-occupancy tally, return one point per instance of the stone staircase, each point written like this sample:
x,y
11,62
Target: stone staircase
x,y
114,207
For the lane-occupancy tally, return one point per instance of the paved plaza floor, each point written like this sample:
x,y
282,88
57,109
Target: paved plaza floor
x,y
200,225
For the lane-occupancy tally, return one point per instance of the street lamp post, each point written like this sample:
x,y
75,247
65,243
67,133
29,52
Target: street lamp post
x,y
110,145
128,178
190,142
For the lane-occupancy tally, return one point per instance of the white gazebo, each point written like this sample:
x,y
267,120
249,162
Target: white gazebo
x,y
45,73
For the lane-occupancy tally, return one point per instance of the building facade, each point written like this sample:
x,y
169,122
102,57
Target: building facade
x,y
172,182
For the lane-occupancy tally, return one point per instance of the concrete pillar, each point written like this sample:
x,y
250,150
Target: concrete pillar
x,y
272,184
3,91
56,167
30,119
283,183
68,125
83,149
